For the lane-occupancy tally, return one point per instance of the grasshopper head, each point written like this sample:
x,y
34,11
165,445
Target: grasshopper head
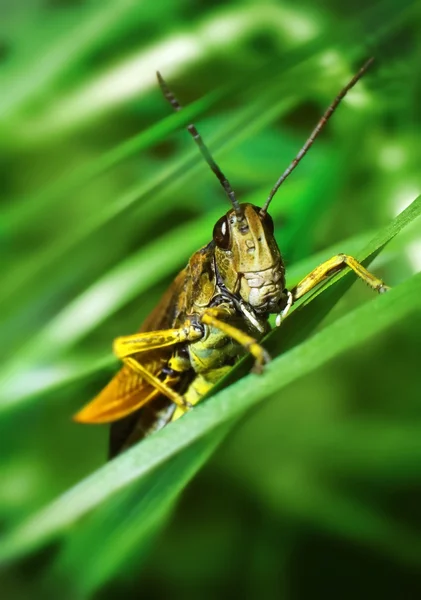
x,y
248,258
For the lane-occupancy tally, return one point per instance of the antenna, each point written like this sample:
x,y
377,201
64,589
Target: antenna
x,y
168,94
320,125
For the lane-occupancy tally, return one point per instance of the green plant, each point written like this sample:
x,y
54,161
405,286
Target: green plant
x,y
337,430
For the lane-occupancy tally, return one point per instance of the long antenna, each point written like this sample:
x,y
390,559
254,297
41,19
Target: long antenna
x,y
329,112
168,94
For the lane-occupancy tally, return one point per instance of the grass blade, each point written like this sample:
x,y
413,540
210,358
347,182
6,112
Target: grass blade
x,y
346,333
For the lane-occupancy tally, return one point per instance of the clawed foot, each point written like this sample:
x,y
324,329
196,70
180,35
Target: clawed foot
x,y
261,361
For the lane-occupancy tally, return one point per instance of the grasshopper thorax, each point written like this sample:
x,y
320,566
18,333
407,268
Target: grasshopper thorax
x,y
248,260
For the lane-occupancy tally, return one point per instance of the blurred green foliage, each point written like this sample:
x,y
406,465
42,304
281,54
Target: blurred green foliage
x,y
314,492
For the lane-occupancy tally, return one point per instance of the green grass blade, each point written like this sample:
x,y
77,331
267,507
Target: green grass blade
x,y
40,201
346,333
309,500
126,524
89,25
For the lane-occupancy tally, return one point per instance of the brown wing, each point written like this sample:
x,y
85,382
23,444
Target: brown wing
x,y
127,391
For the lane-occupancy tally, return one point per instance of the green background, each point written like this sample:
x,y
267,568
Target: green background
x,y
315,493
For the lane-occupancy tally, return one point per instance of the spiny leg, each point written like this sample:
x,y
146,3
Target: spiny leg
x,y
127,347
333,266
154,381
152,340
210,317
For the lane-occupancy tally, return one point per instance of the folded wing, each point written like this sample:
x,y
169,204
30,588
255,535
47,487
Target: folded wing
x,y
126,392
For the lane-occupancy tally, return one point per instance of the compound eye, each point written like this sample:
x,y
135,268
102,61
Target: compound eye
x,y
221,233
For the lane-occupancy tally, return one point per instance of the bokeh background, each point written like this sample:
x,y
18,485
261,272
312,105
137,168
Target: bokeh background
x,y
104,198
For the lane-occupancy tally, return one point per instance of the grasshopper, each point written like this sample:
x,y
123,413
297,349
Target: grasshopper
x,y
215,311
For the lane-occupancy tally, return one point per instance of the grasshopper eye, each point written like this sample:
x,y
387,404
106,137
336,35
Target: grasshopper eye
x,y
221,233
